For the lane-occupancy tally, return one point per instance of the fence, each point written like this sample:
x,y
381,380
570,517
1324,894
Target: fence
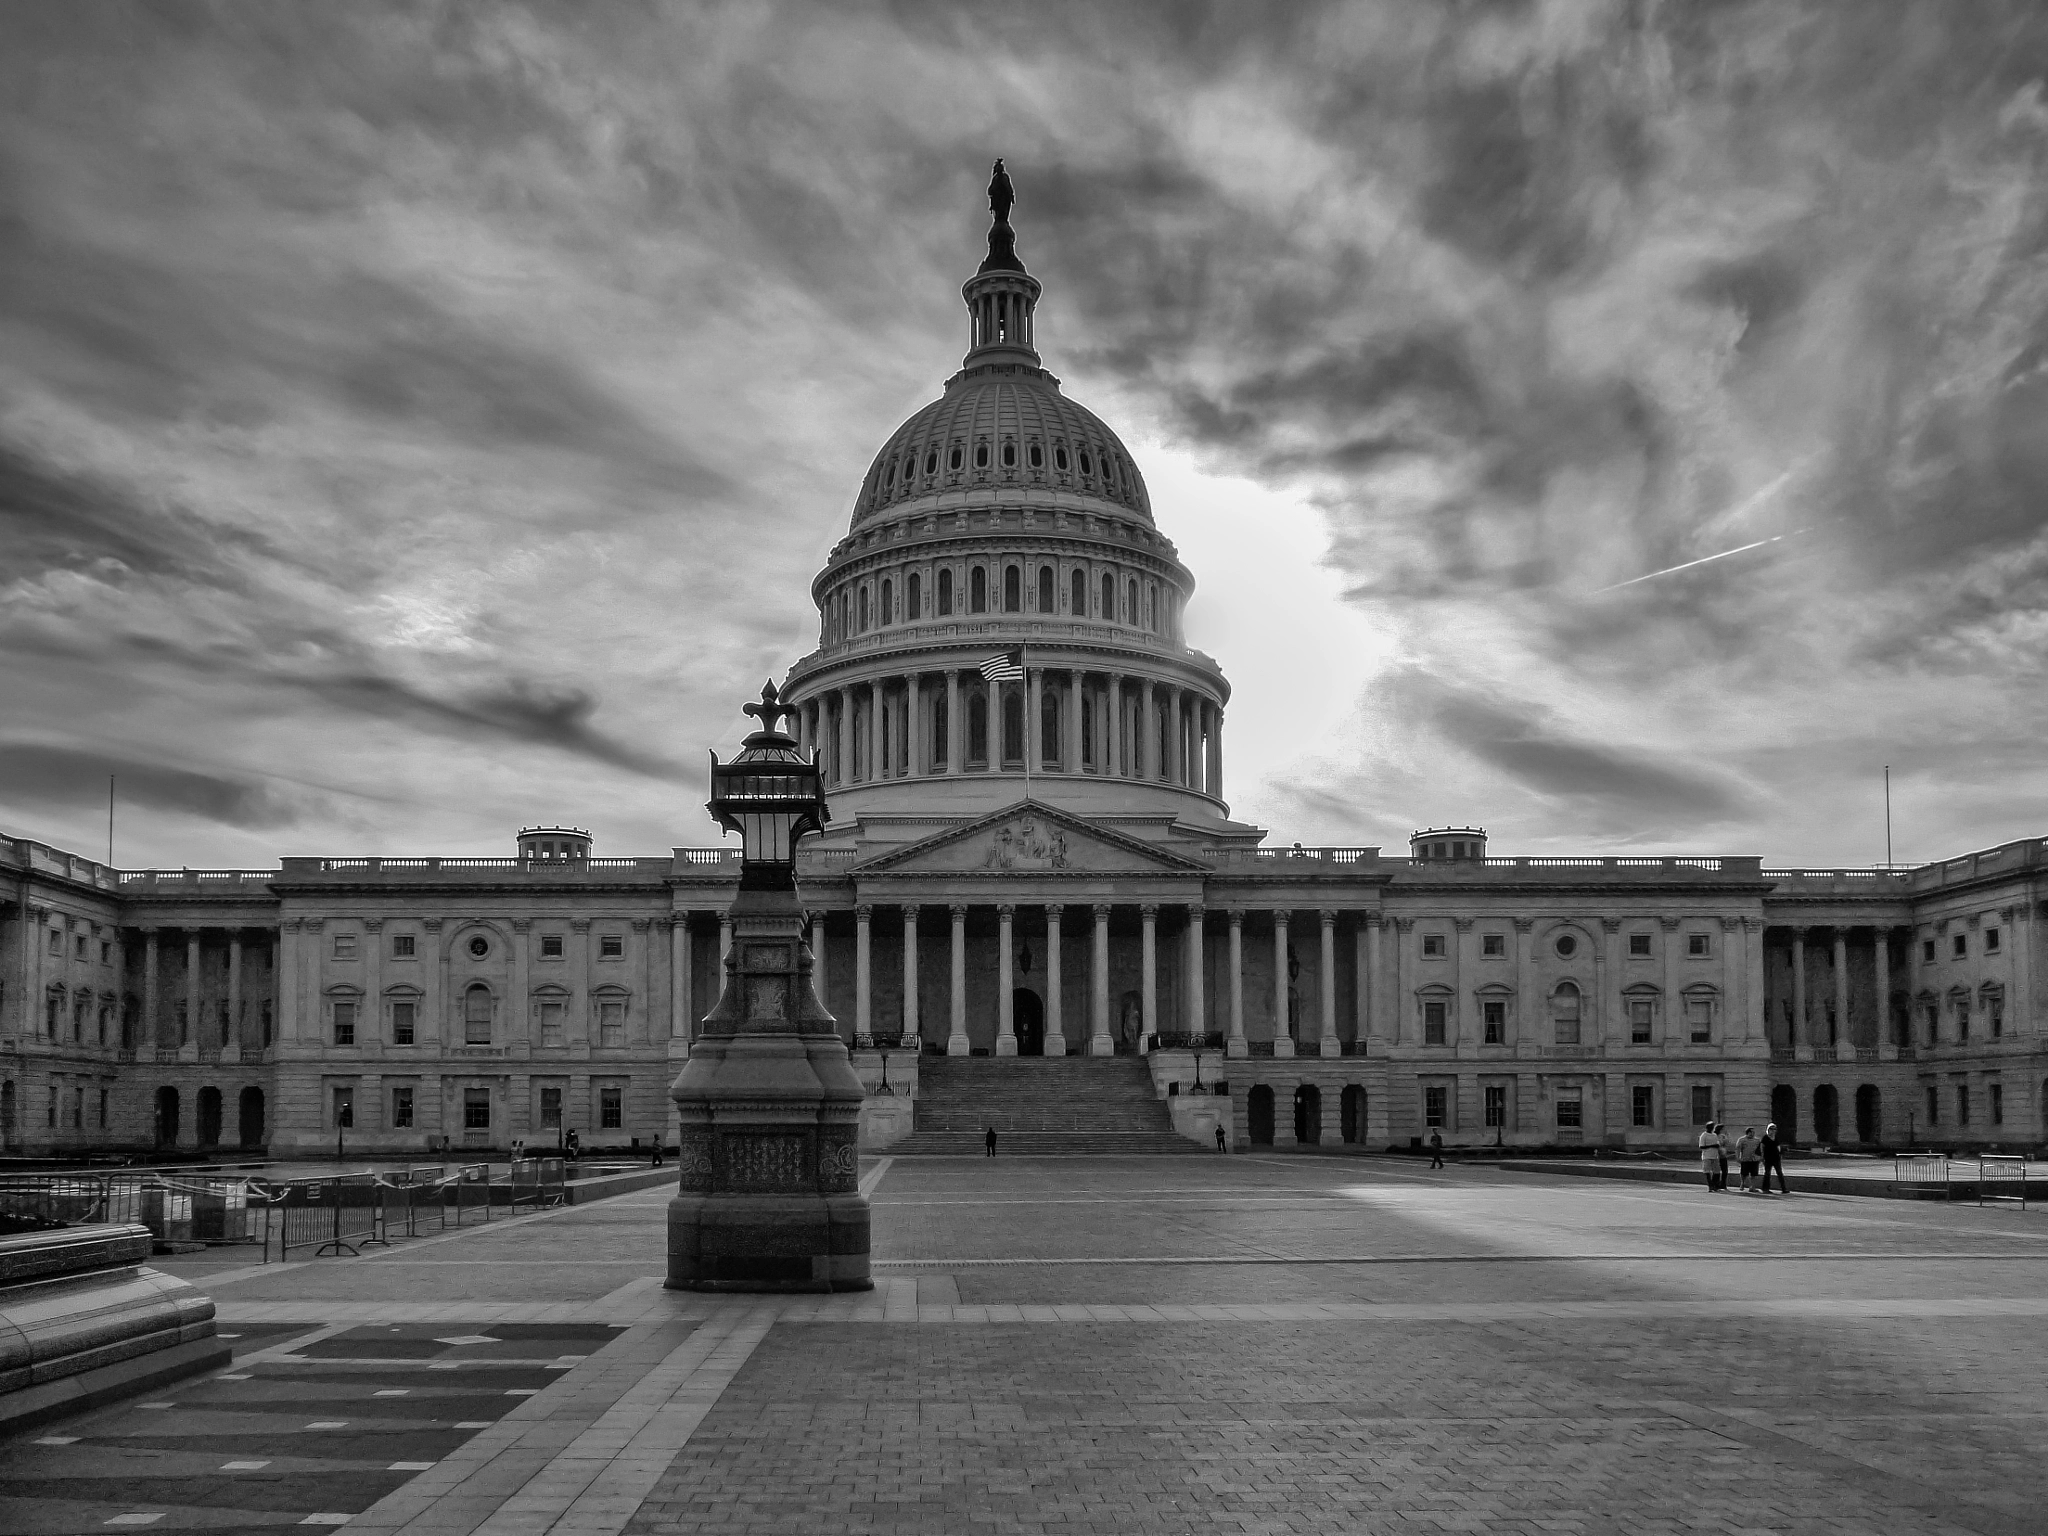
x,y
2010,1173
1921,1171
336,1214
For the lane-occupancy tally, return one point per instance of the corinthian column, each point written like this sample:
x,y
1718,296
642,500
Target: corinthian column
x,y
1802,1042
1198,1005
1235,1046
1070,749
1055,1013
863,975
1006,1020
1100,1042
1148,983
1327,984
912,1027
956,1039
1283,1036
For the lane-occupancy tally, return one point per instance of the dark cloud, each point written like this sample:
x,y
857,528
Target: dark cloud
x,y
38,778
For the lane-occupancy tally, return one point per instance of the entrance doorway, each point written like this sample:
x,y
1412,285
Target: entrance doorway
x,y
1867,1121
209,1117
252,1117
1258,1114
1785,1111
167,1117
1351,1114
1308,1115
1826,1115
1028,1014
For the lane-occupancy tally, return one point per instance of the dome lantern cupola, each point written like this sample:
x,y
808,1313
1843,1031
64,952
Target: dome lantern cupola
x,y
1001,295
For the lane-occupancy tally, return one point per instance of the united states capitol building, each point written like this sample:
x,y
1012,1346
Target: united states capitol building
x,y
1031,855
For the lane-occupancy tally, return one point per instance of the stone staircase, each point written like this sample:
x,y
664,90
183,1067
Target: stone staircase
x,y
1059,1106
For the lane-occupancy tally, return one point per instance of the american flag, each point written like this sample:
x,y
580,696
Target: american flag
x,y
1006,668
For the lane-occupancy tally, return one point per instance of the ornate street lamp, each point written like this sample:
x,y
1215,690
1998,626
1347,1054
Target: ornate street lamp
x,y
768,1161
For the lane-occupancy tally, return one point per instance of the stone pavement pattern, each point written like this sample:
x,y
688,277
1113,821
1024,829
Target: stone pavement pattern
x,y
1244,1344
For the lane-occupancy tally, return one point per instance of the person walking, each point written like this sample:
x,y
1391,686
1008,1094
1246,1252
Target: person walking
x,y
988,1141
1727,1151
1436,1149
1710,1157
1747,1152
1222,1141
1773,1159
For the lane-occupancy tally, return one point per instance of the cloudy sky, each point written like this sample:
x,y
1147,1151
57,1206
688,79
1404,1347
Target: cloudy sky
x,y
421,420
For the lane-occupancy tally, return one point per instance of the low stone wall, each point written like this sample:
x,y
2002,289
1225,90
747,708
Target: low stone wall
x,y
83,1320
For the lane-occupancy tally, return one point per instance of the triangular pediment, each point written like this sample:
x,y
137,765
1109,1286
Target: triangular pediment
x,y
1030,838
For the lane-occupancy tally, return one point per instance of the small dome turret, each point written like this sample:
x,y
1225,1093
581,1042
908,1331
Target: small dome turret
x,y
554,845
1443,845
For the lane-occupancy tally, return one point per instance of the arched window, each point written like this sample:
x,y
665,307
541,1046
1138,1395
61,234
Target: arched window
x,y
939,722
1045,589
945,592
953,458
1131,614
1087,468
981,455
1109,597
1564,1013
888,600
478,1007
863,609
1059,457
1013,589
977,591
1037,457
931,462
1109,468
889,474
1151,606
1009,455
977,728
1013,726
1080,595
1048,727
909,467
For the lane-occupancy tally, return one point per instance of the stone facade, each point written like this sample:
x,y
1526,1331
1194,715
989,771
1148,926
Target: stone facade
x,y
1031,852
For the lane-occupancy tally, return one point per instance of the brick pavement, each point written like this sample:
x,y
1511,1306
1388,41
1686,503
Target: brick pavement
x,y
1241,1344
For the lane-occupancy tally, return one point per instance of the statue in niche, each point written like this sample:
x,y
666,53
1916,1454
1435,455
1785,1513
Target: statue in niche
x,y
1133,1019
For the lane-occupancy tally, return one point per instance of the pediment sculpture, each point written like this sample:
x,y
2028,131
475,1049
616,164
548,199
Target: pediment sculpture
x,y
1025,844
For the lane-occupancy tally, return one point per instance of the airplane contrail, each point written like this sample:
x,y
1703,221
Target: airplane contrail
x,y
1703,560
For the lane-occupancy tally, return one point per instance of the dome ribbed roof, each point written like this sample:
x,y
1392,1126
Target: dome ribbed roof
x,y
1001,427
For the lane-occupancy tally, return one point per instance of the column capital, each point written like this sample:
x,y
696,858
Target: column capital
x,y
1372,919
1462,924
1006,909
862,912
911,909
373,925
1280,915
1054,911
1236,916
1799,931
1524,924
1149,911
1730,924
640,924
959,911
431,924
579,924
1405,924
816,914
1328,915
1668,923
1196,913
1610,925
1102,911
1753,924
151,930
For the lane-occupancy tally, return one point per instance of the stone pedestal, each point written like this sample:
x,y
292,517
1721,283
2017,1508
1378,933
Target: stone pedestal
x,y
768,1161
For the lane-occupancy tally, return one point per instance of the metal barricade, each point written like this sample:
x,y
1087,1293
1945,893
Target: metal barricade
x,y
1921,1172
2010,1173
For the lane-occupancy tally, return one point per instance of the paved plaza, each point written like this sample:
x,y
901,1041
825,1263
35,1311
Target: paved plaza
x,y
1242,1344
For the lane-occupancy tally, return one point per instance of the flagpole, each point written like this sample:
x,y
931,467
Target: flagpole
x,y
1024,665
1887,815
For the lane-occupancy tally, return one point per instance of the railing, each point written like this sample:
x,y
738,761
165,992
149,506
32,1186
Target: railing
x,y
1213,1041
2010,1173
379,865
1921,1171
154,878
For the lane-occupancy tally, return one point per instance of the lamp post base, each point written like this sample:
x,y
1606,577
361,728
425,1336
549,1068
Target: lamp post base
x,y
766,1243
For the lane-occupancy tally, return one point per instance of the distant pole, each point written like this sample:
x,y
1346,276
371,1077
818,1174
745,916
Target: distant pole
x,y
1024,663
1887,815
110,821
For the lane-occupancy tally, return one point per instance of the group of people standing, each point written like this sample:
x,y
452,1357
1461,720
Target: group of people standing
x,y
1747,1152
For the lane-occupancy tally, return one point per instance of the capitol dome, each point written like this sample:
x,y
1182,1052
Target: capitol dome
x,y
1002,619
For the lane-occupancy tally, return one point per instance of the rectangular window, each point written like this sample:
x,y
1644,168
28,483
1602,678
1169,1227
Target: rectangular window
x,y
106,953
1436,1103
56,941
401,1109
1933,1018
1962,1103
1432,1023
402,1019
53,1106
1933,1105
78,947
1702,1103
1699,1019
1433,945
611,1023
611,946
1997,1007
1497,1106
551,946
1997,1095
476,1109
1493,944
1639,943
1643,1106
402,946
551,1023
78,1109
1698,944
1641,1015
1960,946
1962,1019
1570,1110
1927,950
611,1109
344,1023
103,1107
344,946
1990,941
550,1108
1496,1022
344,1108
